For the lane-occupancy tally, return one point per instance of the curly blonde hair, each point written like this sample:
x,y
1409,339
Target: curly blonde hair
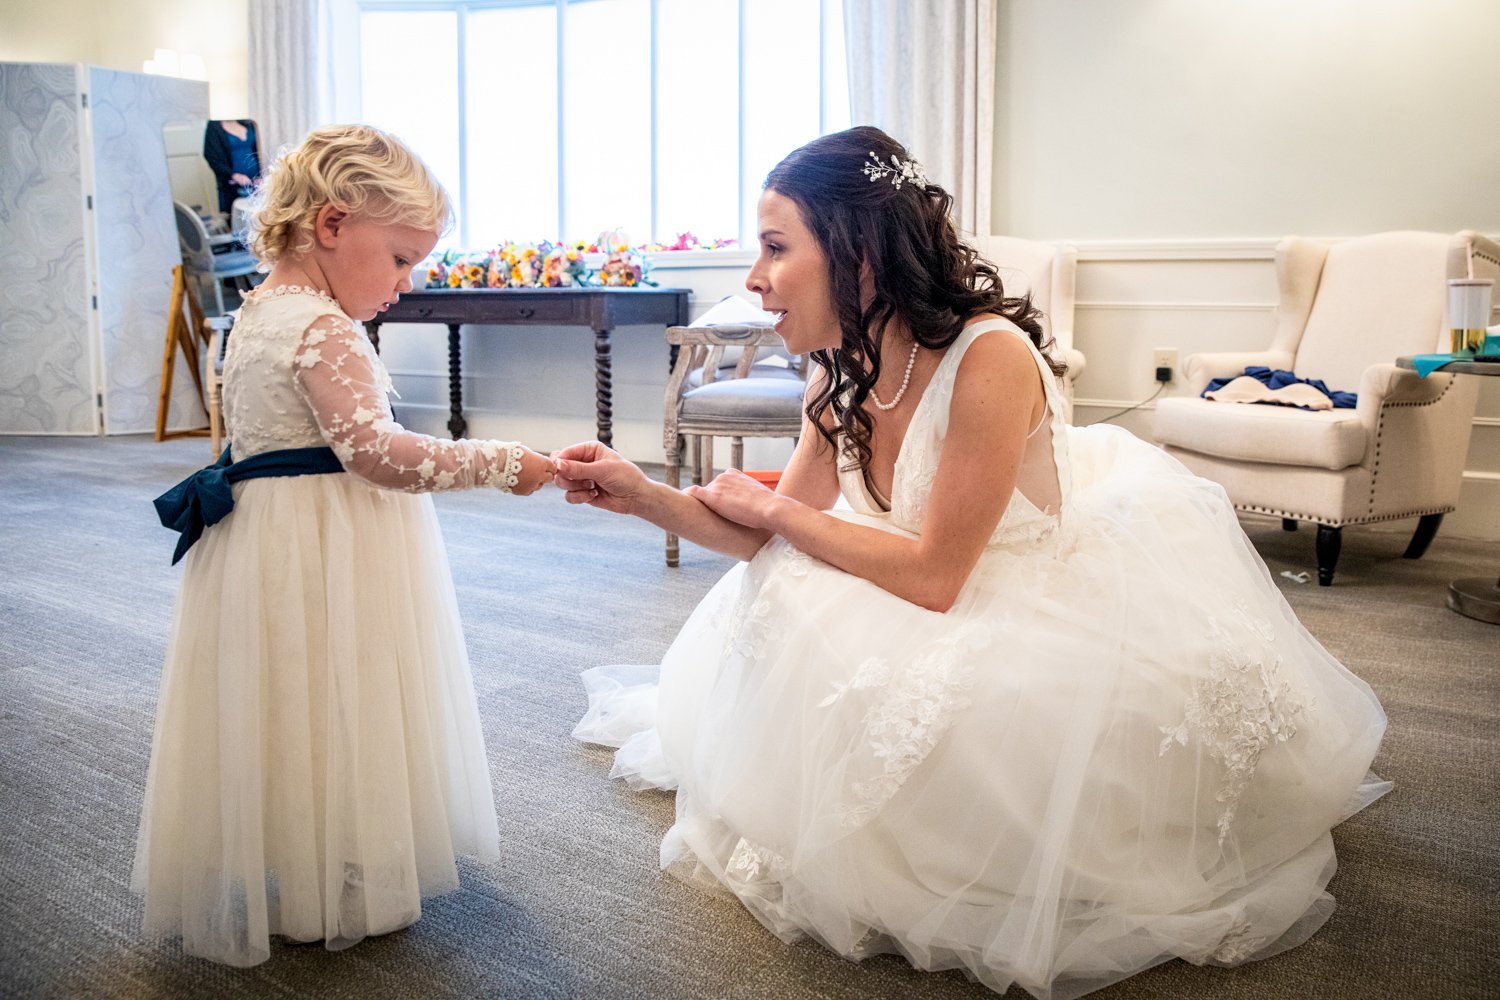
x,y
357,169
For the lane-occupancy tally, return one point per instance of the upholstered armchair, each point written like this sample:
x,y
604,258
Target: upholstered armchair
x,y
1347,310
1047,271
727,381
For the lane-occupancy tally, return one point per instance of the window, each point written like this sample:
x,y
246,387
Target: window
x,y
563,119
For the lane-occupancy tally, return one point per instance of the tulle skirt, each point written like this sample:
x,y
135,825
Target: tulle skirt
x,y
317,760
1119,747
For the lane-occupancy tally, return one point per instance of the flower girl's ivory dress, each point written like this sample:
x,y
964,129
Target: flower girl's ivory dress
x,y
1117,748
317,760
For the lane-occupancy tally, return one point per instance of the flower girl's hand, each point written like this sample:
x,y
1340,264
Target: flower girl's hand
x,y
737,497
536,471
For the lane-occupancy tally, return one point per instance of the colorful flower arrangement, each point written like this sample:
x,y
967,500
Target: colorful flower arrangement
x,y
552,265
513,265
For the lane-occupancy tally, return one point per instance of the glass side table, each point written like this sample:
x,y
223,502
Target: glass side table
x,y
1472,596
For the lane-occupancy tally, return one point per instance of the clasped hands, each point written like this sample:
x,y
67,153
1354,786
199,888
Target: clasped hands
x,y
594,474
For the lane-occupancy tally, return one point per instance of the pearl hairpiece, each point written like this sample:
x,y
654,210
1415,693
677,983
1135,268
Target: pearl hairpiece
x,y
899,171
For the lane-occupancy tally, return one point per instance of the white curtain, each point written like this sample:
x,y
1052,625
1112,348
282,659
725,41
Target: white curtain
x,y
925,73
290,70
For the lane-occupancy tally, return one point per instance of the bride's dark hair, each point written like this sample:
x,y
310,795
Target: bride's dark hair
x,y
924,276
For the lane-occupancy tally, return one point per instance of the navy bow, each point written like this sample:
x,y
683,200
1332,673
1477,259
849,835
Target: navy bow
x,y
207,496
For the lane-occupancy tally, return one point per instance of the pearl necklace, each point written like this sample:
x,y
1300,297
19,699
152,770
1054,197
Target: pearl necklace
x,y
905,381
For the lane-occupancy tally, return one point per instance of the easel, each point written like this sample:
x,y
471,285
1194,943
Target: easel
x,y
188,333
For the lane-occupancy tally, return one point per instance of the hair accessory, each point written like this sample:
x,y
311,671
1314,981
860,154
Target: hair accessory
x,y
900,171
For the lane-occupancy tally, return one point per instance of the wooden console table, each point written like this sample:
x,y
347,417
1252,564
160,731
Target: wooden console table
x,y
600,309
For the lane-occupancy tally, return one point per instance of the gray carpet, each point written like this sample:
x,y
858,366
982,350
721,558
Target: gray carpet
x,y
576,907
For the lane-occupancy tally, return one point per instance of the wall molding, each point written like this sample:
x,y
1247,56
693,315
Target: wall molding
x,y
1246,248
1177,306
1094,251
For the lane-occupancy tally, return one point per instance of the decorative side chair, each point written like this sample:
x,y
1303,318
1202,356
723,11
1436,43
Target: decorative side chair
x,y
206,258
1048,271
718,389
1347,310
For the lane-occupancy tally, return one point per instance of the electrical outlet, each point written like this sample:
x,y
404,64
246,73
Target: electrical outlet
x,y
1164,359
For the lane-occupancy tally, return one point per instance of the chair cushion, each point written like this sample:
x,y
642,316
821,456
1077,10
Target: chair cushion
x,y
233,263
751,401
1253,432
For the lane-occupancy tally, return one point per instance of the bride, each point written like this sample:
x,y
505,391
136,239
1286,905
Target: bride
x,y
1028,704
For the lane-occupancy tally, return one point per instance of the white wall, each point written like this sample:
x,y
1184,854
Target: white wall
x,y
1180,119
123,34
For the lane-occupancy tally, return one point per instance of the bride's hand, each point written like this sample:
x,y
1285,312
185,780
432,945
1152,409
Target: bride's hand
x,y
736,497
594,474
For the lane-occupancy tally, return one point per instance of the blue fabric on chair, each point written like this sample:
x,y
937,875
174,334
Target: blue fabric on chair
x,y
1277,378
207,496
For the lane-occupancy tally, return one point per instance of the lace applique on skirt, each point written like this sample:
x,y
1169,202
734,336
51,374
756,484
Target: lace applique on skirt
x,y
917,707
1243,705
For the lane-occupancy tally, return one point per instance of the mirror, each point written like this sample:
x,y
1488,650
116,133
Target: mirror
x,y
198,152
210,217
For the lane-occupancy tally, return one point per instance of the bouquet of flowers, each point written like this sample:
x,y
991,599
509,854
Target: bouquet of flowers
x,y
622,266
553,265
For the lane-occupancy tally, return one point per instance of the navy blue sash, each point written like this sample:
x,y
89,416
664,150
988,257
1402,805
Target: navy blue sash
x,y
206,497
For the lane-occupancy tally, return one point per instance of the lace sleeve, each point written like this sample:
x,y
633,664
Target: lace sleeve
x,y
346,387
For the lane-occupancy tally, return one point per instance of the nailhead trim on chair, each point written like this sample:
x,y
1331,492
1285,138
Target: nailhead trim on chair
x,y
1311,519
1379,432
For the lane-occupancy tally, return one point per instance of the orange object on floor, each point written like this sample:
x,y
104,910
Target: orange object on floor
x,y
767,477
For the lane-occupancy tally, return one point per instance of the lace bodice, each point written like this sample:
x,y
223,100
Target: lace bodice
x,y
917,461
300,373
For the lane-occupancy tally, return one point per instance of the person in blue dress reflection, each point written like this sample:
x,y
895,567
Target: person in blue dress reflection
x,y
232,150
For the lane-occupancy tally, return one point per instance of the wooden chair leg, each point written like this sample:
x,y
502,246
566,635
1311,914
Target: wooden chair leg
x,y
706,459
737,453
1427,528
695,465
1330,540
1288,524
674,480
215,413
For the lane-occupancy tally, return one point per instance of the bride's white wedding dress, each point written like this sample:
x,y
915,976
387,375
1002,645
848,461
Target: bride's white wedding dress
x,y
1117,748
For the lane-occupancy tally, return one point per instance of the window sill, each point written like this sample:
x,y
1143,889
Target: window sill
x,y
668,260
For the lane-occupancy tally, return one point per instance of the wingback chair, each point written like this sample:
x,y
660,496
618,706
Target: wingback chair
x,y
1347,310
1047,271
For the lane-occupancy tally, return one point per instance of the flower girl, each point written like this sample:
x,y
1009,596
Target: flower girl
x,y
317,760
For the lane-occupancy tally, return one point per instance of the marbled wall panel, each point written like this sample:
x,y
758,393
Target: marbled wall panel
x,y
137,242
46,381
